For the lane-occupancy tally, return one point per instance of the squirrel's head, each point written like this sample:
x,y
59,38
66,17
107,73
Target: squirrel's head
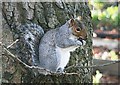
x,y
78,28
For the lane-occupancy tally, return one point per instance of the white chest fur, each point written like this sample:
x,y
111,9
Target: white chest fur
x,y
64,55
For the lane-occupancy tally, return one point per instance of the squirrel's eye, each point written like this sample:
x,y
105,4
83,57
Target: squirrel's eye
x,y
78,29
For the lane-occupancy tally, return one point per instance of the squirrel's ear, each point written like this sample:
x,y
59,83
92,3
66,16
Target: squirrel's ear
x,y
72,22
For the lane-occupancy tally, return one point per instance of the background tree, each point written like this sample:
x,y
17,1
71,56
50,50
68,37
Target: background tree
x,y
49,15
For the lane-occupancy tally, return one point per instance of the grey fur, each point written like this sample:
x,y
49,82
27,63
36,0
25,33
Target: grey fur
x,y
48,56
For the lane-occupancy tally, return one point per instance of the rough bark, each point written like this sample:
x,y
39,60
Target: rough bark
x,y
49,16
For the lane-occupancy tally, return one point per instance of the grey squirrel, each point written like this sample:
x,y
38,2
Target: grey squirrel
x,y
54,47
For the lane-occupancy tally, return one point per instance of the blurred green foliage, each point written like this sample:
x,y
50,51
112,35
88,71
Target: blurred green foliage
x,y
104,13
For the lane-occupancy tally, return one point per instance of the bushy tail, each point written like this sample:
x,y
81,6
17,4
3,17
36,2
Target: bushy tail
x,y
31,35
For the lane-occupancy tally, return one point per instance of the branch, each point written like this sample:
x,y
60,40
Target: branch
x,y
94,66
13,43
46,71
39,69
42,70
101,65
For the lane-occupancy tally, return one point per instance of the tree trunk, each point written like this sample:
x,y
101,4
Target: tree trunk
x,y
48,15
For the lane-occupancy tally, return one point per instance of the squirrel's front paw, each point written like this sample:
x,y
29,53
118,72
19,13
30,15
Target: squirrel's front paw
x,y
78,42
81,42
